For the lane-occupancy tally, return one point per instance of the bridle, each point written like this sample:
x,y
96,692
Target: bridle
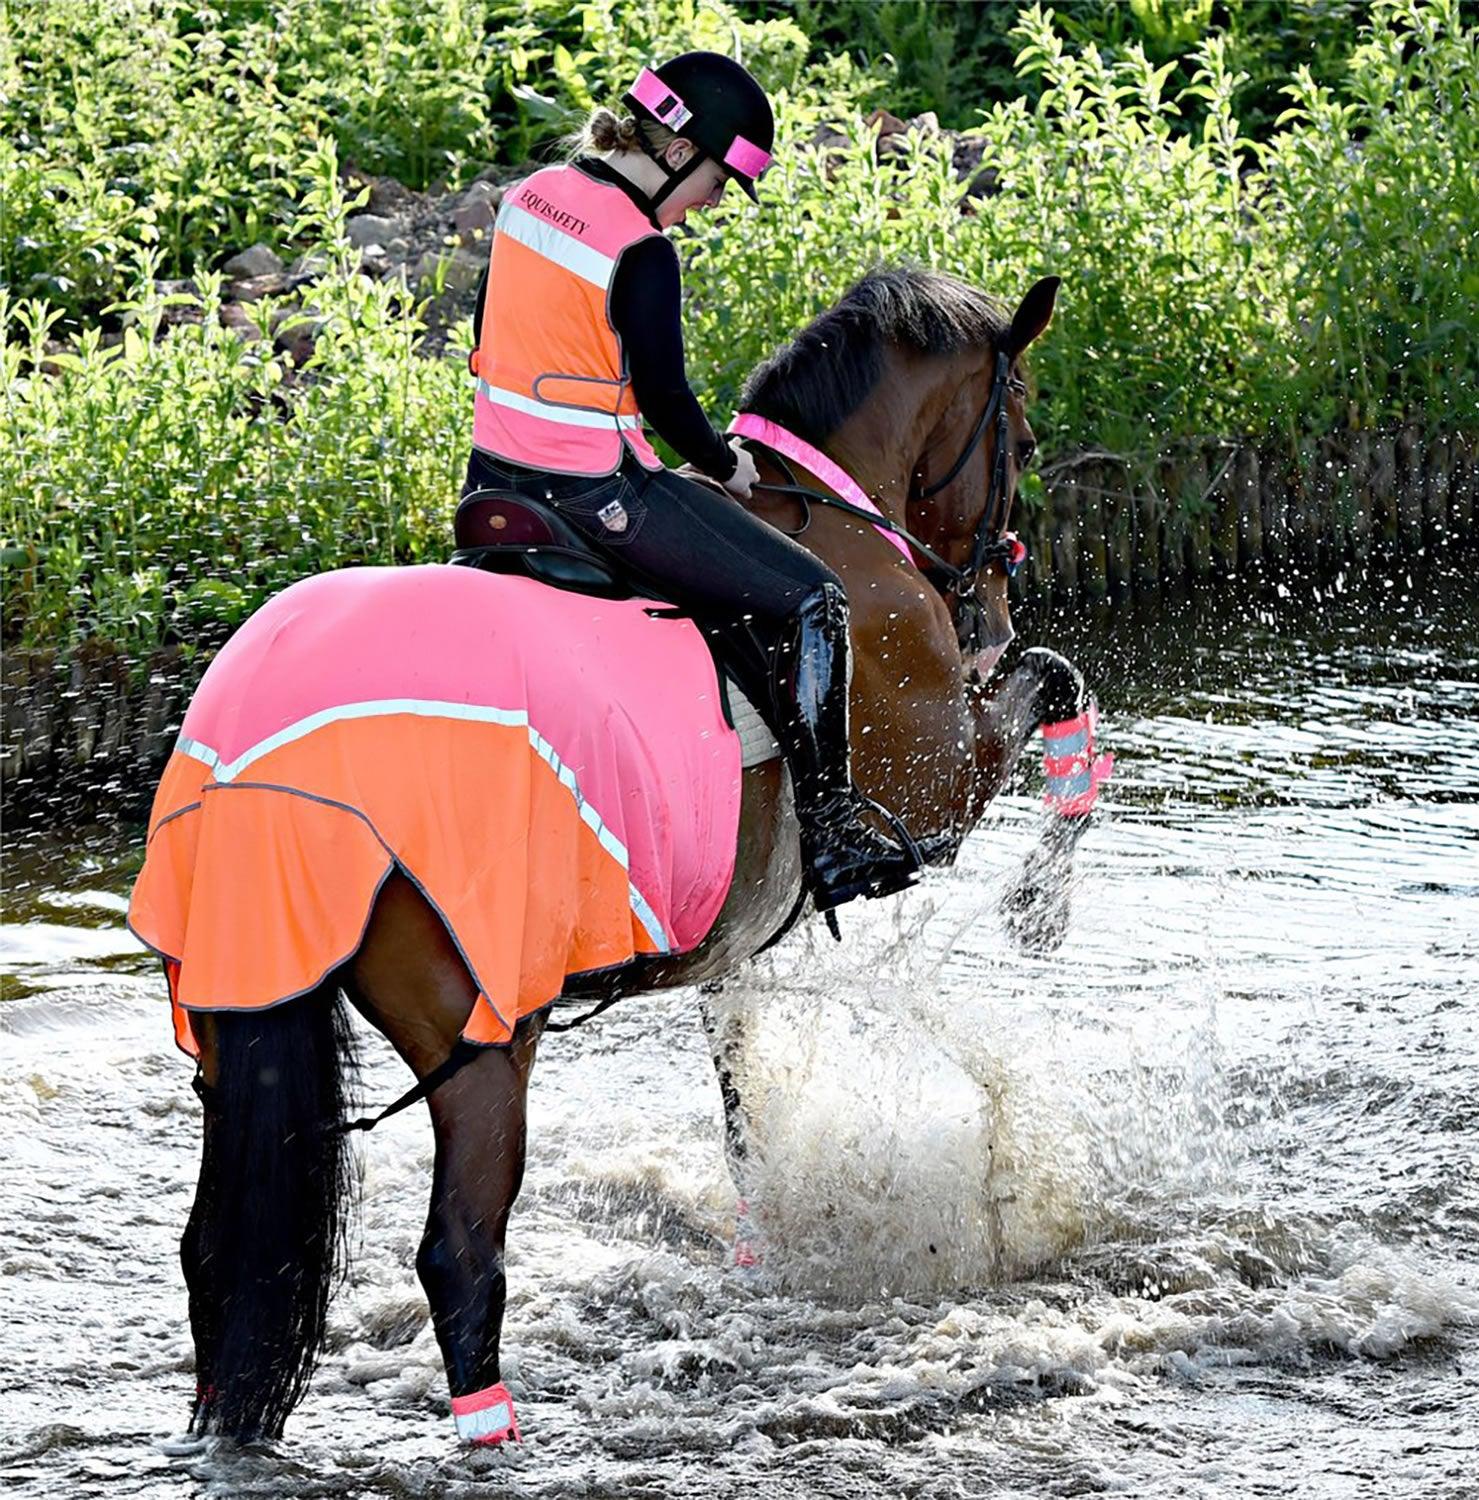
x,y
990,544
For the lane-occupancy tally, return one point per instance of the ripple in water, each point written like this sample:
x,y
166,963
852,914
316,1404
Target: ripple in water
x,y
1187,1207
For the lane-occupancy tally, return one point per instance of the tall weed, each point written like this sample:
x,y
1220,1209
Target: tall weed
x,y
160,489
1373,205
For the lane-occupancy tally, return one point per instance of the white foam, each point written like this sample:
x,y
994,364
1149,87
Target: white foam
x,y
912,1138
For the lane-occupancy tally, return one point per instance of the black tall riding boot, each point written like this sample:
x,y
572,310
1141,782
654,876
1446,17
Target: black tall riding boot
x,y
844,856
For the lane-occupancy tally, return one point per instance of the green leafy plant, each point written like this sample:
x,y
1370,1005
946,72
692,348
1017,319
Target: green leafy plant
x,y
160,478
182,475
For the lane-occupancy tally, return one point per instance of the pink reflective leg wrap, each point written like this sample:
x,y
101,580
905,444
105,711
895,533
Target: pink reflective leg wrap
x,y
486,1417
747,1251
1072,769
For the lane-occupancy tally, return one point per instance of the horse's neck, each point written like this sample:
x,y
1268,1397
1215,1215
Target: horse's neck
x,y
880,443
913,734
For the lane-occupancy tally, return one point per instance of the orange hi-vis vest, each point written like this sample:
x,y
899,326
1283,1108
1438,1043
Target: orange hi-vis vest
x,y
552,386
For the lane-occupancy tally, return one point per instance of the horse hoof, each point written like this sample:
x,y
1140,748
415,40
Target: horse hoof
x,y
749,1254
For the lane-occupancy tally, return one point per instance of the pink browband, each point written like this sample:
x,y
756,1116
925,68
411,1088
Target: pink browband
x,y
650,90
747,424
744,157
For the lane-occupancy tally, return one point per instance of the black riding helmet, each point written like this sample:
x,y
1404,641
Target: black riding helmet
x,y
711,100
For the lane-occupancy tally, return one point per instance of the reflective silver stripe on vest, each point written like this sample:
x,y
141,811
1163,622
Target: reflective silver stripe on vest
x,y
569,415
555,245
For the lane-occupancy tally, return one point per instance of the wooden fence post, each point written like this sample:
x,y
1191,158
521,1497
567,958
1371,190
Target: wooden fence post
x,y
40,672
1359,491
1437,481
1246,483
1119,526
1063,529
1384,484
1172,560
1195,504
1409,486
1274,501
1038,538
1332,491
1092,567
1149,513
1223,462
1304,502
1465,480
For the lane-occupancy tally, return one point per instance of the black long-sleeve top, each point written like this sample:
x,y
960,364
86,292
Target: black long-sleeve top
x,y
646,311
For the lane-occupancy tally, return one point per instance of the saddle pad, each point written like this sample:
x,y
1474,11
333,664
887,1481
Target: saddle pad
x,y
554,772
757,743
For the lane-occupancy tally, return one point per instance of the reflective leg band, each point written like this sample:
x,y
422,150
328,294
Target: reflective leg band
x,y
1072,769
486,1417
747,1252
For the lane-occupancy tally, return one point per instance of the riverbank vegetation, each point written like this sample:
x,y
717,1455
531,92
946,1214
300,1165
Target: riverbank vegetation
x,y
1252,245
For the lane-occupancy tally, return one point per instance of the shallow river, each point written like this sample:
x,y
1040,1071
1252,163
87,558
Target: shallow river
x,y
1188,1208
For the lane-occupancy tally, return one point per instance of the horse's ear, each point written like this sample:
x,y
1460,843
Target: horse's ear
x,y
1035,313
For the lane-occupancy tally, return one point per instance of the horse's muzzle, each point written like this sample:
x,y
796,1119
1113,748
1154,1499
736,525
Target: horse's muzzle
x,y
986,660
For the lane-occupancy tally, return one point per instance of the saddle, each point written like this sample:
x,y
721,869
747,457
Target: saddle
x,y
502,531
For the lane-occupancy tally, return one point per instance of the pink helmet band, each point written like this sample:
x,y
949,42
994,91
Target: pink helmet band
x,y
651,91
744,157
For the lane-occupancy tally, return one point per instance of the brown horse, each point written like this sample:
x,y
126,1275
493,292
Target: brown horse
x,y
892,384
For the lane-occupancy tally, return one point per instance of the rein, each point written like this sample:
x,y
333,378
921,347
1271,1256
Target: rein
x,y
990,544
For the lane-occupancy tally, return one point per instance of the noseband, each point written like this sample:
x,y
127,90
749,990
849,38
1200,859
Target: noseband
x,y
991,542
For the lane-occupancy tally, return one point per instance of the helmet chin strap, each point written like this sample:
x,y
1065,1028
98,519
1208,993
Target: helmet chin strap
x,y
676,176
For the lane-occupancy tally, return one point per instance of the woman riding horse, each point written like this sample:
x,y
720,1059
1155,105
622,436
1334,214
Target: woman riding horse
x,y
580,342
293,847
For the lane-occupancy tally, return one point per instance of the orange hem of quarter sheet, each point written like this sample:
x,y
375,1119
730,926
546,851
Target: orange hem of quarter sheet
x,y
254,890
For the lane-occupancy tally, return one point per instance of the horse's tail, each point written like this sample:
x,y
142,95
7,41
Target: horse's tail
x,y
266,1238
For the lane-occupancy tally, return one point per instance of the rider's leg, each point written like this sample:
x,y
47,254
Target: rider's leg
x,y
715,557
709,554
844,856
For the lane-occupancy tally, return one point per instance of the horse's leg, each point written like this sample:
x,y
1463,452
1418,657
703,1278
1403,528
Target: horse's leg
x,y
726,1043
1045,689
411,982
1037,906
724,1047
480,1123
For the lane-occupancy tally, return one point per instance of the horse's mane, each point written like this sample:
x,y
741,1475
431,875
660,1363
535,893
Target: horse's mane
x,y
814,383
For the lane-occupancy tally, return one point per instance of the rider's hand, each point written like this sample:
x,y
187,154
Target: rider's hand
x,y
745,473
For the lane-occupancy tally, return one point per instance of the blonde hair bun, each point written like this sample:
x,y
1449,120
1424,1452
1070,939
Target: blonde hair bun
x,y
605,130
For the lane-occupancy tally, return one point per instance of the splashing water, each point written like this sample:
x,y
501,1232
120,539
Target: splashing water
x,y
1188,1206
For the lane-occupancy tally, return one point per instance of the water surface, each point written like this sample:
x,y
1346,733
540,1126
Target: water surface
x,y
1187,1208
